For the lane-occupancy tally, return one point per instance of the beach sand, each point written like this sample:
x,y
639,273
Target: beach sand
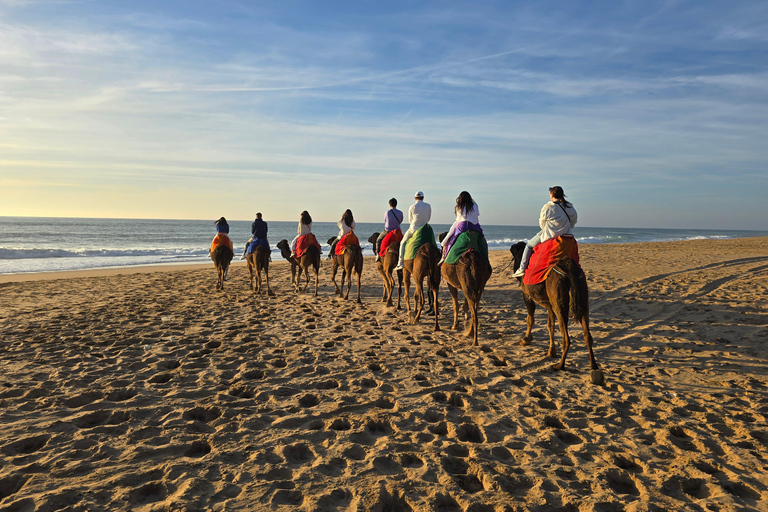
x,y
149,390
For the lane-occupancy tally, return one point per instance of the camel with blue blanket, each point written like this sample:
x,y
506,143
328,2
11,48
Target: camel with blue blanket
x,y
258,254
466,268
420,260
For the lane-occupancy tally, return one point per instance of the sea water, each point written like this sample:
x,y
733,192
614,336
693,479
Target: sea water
x,y
34,244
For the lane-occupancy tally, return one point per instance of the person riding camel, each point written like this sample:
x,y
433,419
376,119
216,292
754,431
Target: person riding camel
x,y
392,220
419,215
557,218
346,226
467,219
305,228
222,235
259,230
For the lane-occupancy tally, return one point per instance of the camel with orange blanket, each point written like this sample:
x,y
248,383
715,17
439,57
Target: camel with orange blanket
x,y
221,253
555,281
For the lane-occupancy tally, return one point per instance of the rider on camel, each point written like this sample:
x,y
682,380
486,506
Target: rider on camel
x,y
392,220
346,225
419,215
305,228
466,211
557,218
259,230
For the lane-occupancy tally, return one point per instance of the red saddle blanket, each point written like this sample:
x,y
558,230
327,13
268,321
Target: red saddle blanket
x,y
547,254
346,241
393,237
305,242
220,239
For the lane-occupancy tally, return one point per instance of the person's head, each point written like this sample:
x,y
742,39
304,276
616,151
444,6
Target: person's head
x,y
557,194
306,218
258,216
221,222
348,218
419,196
393,202
464,202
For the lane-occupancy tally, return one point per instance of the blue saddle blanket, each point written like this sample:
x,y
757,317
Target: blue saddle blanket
x,y
256,243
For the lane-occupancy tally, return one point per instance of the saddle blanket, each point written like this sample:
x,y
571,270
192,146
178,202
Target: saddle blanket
x,y
468,241
547,254
393,237
423,235
258,242
220,239
346,241
305,242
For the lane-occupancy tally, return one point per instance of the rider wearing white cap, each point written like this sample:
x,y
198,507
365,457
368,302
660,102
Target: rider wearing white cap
x,y
418,215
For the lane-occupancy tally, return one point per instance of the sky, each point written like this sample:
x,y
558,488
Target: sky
x,y
649,114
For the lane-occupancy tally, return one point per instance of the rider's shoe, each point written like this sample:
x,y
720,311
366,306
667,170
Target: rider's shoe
x,y
520,273
399,266
378,258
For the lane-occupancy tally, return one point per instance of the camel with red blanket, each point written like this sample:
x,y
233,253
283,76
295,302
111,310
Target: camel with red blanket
x,y
221,253
555,281
258,260
388,255
420,260
467,268
349,256
307,255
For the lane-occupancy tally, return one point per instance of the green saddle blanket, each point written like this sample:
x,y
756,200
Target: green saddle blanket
x,y
466,241
423,235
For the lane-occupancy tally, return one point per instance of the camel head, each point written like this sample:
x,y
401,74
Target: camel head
x,y
442,236
285,251
330,240
517,254
373,237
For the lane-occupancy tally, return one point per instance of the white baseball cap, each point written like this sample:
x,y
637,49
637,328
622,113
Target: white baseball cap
x,y
419,195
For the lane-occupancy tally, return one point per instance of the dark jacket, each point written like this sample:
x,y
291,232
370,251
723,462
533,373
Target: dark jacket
x,y
259,229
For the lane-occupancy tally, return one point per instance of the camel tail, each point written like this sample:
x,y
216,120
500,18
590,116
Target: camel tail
x,y
578,289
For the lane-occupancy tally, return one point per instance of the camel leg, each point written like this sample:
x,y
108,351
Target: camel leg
x,y
358,287
333,276
562,320
475,321
530,305
419,301
552,352
455,297
317,279
407,277
270,293
250,275
434,292
399,287
390,288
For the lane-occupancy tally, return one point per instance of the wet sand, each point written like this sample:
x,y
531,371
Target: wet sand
x,y
149,390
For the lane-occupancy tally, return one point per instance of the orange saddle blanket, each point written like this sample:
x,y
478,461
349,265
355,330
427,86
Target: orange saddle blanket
x,y
220,239
346,241
546,254
305,242
393,237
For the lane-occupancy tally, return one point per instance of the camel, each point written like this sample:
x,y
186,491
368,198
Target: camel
x,y
423,265
469,274
386,266
258,260
310,258
222,256
565,286
351,260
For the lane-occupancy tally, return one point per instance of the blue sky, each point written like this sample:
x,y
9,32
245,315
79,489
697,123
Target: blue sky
x,y
648,114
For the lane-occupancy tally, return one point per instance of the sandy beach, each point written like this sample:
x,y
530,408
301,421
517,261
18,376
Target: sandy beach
x,y
146,389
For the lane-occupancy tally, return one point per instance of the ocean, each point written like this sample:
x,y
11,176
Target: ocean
x,y
34,244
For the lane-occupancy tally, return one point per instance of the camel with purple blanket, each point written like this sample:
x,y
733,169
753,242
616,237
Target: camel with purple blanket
x,y
467,268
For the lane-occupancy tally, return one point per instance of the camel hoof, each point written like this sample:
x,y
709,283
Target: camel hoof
x,y
597,377
557,367
525,342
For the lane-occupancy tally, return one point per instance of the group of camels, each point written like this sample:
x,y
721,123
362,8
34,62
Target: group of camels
x,y
564,289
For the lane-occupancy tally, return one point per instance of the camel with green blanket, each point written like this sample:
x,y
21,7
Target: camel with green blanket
x,y
467,268
420,260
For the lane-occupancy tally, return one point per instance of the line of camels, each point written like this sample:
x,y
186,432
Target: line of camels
x,y
564,289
